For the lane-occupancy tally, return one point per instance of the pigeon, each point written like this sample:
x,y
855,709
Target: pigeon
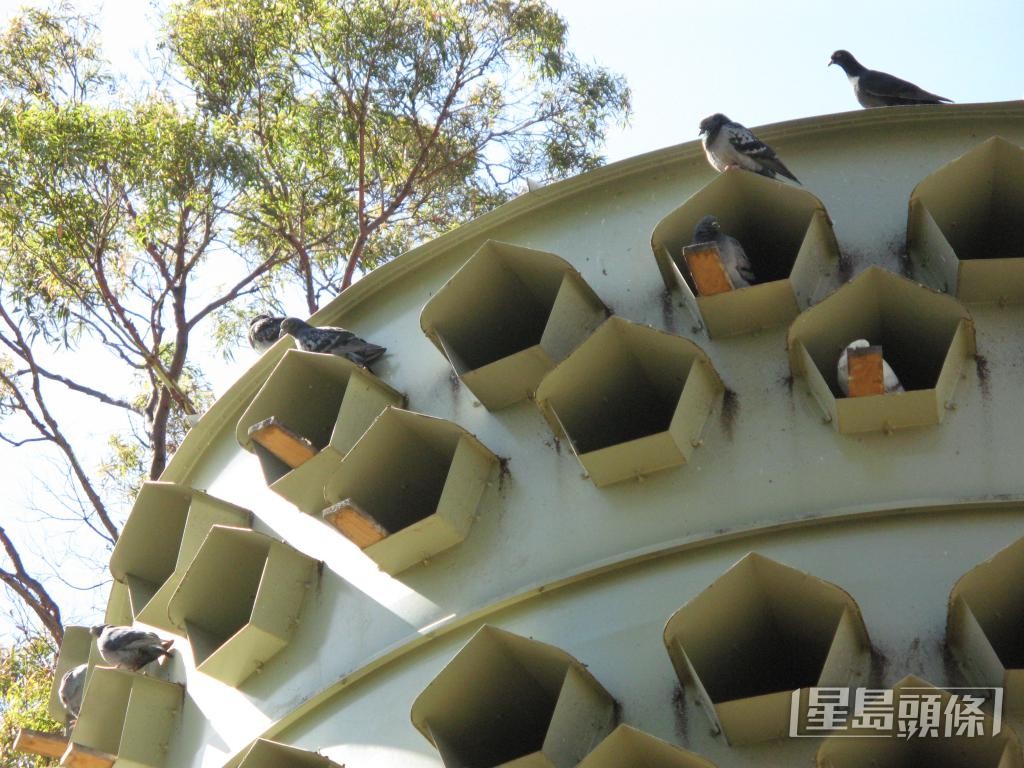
x,y
331,341
879,89
731,145
129,648
72,686
735,261
264,331
889,379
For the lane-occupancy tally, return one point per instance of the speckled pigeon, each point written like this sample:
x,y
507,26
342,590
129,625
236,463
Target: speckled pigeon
x,y
264,331
889,378
731,145
879,89
72,686
331,341
734,259
129,648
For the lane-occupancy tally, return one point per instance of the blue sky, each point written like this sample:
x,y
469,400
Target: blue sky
x,y
758,62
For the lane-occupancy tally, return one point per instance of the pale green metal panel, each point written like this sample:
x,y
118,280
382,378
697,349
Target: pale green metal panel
x,y
542,557
628,747
269,754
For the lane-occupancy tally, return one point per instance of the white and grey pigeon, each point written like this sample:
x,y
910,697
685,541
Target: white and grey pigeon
x,y
332,341
734,259
264,331
880,89
889,378
731,145
72,686
129,648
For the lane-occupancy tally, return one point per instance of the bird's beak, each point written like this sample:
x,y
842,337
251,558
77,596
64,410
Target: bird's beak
x,y
831,62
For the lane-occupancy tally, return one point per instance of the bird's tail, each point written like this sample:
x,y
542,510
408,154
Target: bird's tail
x,y
371,352
774,164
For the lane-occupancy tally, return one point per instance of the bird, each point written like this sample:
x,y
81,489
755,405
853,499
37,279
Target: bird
x,y
70,690
731,145
880,89
734,259
129,648
889,379
264,330
331,341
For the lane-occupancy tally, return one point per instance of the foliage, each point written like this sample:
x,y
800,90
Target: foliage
x,y
306,142
376,124
26,675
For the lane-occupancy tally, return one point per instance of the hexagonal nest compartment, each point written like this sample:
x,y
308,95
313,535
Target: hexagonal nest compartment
x,y
167,524
985,628
627,747
785,232
761,631
264,753
507,317
126,715
409,488
239,601
305,418
507,700
631,400
963,227
891,748
925,336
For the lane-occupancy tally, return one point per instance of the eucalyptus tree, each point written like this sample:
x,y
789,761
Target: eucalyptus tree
x,y
294,145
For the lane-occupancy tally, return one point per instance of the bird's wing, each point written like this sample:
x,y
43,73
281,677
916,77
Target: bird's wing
x,y
319,339
890,380
843,373
129,639
886,86
746,142
735,261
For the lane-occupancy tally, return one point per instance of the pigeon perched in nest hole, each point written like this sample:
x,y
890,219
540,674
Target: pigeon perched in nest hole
x,y
264,331
734,259
889,379
129,648
731,145
331,341
72,686
879,89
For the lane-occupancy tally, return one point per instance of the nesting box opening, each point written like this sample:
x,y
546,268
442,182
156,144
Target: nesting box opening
x,y
759,632
631,400
786,236
507,316
963,224
924,336
408,489
504,699
239,601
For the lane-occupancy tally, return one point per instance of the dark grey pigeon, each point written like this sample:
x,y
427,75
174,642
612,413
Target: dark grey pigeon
x,y
331,341
731,145
734,259
129,648
264,331
879,89
72,686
